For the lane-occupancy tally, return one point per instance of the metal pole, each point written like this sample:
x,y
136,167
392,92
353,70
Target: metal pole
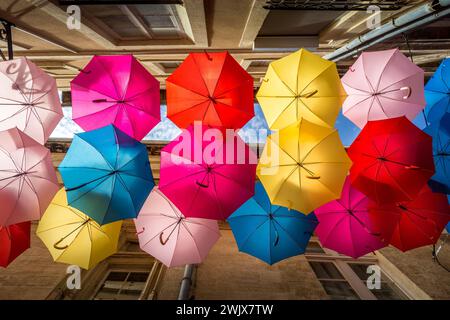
x,y
8,37
186,282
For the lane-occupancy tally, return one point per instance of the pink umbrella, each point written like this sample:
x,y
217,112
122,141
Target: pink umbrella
x,y
168,236
344,224
29,99
382,85
207,179
27,178
116,90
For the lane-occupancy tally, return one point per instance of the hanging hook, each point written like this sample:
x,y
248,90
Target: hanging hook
x,y
208,55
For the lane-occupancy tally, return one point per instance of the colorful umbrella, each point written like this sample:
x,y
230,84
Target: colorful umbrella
x,y
304,166
212,88
383,85
392,160
27,178
168,236
107,174
440,132
269,232
437,93
411,224
74,238
14,240
29,99
345,226
301,85
207,179
116,90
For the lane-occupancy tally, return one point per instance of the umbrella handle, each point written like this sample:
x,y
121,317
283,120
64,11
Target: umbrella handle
x,y
201,184
277,239
140,232
99,100
351,69
411,167
161,239
408,94
313,177
310,94
56,245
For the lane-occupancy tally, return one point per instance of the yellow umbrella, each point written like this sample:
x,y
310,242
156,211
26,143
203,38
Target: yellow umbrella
x,y
74,238
301,85
303,166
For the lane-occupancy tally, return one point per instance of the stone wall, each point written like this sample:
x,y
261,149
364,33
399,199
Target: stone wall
x,y
33,275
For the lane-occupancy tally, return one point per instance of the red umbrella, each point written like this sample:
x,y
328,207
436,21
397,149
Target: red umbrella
x,y
210,87
14,240
392,160
207,179
411,224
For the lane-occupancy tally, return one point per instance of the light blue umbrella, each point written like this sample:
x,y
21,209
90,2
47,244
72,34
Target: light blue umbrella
x,y
437,93
107,175
440,132
268,232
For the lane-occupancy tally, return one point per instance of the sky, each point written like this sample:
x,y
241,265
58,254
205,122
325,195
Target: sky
x,y
166,130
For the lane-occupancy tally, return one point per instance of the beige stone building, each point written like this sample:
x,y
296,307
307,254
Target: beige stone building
x,y
255,32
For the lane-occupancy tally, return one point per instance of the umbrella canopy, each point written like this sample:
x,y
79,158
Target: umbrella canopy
x,y
27,178
304,166
383,85
29,99
437,93
168,236
440,132
269,232
392,160
107,174
74,238
207,179
212,88
301,85
345,226
411,224
14,240
116,90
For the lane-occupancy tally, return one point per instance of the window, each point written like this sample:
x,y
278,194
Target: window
x,y
120,285
333,281
388,289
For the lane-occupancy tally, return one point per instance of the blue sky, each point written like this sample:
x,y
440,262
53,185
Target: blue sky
x,y
167,130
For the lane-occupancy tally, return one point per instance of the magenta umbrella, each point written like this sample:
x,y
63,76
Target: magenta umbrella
x,y
27,178
345,227
207,179
29,99
171,238
116,90
383,85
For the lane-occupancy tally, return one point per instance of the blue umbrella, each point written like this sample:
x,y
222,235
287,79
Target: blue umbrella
x,y
270,233
440,132
107,174
437,93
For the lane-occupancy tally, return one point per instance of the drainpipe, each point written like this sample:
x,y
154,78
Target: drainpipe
x,y
186,282
421,15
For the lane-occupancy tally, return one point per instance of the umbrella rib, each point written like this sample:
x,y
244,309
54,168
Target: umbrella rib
x,y
96,150
284,109
340,220
193,239
252,233
183,177
100,62
218,78
59,226
443,79
318,143
190,108
122,182
282,81
396,82
201,76
358,103
284,181
384,69
315,78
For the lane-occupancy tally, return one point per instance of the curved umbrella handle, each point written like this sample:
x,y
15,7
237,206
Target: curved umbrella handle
x,y
351,69
202,185
277,238
161,239
408,94
310,94
140,232
57,247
